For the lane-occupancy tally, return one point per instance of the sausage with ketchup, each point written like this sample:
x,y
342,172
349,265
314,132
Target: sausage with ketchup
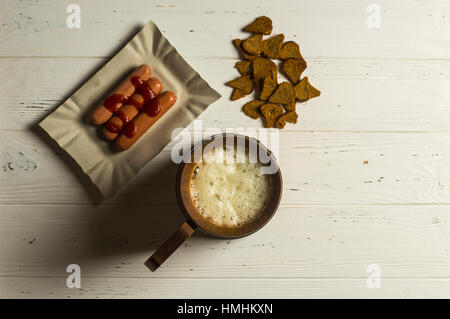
x,y
114,101
128,111
152,111
133,107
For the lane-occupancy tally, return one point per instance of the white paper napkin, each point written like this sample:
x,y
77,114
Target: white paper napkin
x,y
70,127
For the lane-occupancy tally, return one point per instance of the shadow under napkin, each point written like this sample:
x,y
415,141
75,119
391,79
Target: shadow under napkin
x,y
121,233
145,215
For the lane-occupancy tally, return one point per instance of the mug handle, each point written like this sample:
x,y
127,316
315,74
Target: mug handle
x,y
180,236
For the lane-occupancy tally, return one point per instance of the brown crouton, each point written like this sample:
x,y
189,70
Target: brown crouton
x,y
269,86
262,25
237,94
252,108
271,47
290,50
305,91
263,67
290,117
243,66
253,45
301,90
292,106
313,92
271,112
276,103
244,83
284,94
293,68
238,44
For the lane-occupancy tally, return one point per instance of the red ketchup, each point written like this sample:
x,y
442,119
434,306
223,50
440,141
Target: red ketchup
x,y
151,106
129,129
114,102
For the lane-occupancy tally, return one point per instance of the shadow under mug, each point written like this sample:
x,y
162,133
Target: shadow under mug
x,y
194,219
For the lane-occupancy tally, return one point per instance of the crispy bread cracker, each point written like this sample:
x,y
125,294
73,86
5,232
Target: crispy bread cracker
x,y
305,91
243,66
313,92
262,25
290,117
253,45
292,106
293,68
301,90
272,46
284,94
290,50
277,103
243,83
269,86
263,67
237,94
271,112
252,108
238,44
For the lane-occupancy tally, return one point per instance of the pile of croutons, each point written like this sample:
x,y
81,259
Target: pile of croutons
x,y
275,102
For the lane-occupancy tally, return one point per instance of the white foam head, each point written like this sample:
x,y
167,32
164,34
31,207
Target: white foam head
x,y
229,190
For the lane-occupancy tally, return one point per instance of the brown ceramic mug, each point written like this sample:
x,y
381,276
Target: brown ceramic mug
x,y
194,219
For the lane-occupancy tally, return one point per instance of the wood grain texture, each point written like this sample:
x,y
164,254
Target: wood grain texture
x,y
28,287
318,168
409,29
309,241
366,171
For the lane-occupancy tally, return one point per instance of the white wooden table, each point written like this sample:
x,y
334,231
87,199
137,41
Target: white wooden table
x,y
366,171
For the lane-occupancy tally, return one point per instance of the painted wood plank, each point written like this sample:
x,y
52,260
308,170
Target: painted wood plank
x,y
409,29
357,95
315,241
28,287
318,168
